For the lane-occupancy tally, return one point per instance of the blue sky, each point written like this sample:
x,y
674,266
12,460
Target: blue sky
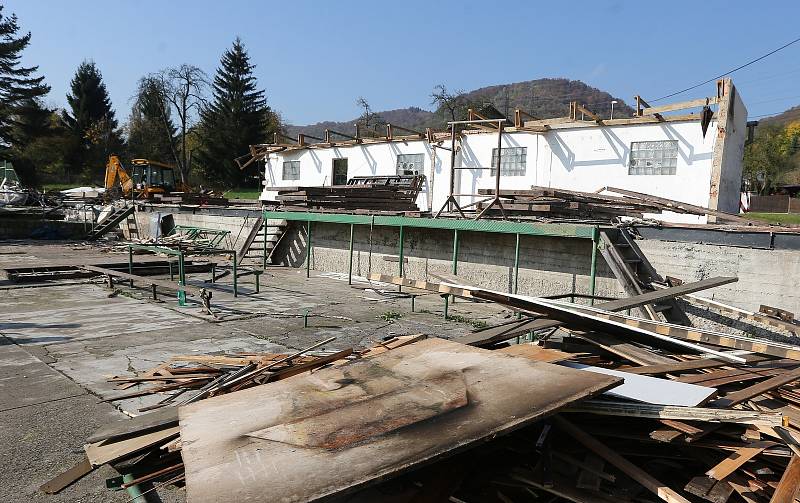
x,y
315,58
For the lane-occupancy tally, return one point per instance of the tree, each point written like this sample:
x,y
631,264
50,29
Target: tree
x,y
369,120
182,89
237,117
767,158
91,121
151,130
19,89
451,104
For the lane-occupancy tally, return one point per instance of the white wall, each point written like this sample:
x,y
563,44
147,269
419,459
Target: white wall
x,y
584,158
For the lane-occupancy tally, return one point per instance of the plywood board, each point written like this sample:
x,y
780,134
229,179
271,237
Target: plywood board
x,y
652,389
227,459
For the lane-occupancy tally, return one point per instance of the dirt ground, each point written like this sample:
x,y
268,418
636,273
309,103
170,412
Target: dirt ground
x,y
60,341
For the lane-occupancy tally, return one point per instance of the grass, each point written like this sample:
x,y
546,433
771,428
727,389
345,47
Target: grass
x,y
390,316
775,218
62,186
242,193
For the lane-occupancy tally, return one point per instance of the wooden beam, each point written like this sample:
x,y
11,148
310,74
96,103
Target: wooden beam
x,y
683,105
738,458
676,413
740,396
789,484
588,112
645,479
700,363
676,206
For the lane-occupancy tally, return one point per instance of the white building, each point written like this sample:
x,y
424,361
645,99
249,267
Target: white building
x,y
656,153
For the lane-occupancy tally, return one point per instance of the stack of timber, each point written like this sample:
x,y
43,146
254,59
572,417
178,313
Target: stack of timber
x,y
701,416
563,204
368,193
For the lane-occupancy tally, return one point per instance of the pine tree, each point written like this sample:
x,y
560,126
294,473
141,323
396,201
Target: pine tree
x,y
91,122
18,84
237,117
151,130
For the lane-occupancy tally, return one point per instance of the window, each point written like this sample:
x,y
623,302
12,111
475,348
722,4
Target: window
x,y
410,164
512,161
291,170
340,172
654,157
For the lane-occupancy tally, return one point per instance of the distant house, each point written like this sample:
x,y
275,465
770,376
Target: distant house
x,y
661,151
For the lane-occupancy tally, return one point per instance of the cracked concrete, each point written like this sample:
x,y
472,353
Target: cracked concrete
x,y
60,344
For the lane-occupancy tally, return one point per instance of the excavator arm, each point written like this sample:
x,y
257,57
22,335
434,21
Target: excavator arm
x,y
115,173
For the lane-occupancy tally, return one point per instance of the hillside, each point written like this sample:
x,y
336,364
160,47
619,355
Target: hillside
x,y
543,98
784,118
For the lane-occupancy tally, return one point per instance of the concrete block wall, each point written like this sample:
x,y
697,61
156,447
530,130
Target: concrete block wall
x,y
239,227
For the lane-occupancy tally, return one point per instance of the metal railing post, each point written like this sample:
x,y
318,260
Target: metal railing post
x,y
400,255
350,267
593,269
308,249
235,274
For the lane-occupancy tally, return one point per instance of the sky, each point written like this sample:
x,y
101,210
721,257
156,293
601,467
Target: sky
x,y
315,58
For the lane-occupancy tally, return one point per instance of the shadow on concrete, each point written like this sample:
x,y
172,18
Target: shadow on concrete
x,y
13,325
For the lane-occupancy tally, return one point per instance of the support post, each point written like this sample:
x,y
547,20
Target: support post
x,y
171,274
516,265
593,269
130,263
455,251
264,244
235,276
308,249
446,304
400,254
350,266
181,280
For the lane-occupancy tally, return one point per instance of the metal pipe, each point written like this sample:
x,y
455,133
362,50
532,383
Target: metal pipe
x,y
181,280
400,254
264,244
516,265
308,249
593,269
134,491
446,304
235,279
455,251
350,266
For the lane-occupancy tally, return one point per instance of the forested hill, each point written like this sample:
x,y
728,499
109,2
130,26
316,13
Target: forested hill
x,y
784,118
544,98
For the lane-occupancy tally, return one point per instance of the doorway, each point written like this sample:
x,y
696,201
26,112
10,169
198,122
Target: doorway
x,y
339,172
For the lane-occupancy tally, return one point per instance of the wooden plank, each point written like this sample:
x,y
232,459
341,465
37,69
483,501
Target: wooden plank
x,y
422,285
683,105
666,293
536,353
626,350
676,367
158,420
789,484
738,458
101,453
68,477
678,206
645,479
740,396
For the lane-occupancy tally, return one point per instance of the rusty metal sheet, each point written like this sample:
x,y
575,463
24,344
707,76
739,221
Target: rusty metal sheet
x,y
338,429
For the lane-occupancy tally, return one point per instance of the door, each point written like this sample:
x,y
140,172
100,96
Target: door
x,y
339,172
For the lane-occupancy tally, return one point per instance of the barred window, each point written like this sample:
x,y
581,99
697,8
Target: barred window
x,y
512,161
654,157
291,170
410,164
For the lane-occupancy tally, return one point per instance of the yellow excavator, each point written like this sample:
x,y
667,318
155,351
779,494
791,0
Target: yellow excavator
x,y
146,179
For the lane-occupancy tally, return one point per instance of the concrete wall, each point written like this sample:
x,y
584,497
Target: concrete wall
x,y
547,265
239,227
726,171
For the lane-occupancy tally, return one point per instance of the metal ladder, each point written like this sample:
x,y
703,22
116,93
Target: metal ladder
x,y
636,274
111,222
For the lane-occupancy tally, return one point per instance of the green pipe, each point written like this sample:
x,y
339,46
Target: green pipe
x,y
130,263
133,491
264,239
235,279
593,270
305,318
350,267
516,265
308,249
171,274
455,251
446,304
181,280
401,240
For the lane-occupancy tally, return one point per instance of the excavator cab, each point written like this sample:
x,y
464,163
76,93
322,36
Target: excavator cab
x,y
155,177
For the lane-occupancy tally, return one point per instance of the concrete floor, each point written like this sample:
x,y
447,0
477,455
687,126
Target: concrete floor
x,y
60,342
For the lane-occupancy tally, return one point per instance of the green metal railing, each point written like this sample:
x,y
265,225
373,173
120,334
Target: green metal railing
x,y
518,229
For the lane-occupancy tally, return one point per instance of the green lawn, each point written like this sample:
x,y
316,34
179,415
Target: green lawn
x,y
61,186
244,193
775,218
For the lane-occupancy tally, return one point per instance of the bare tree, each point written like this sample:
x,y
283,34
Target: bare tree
x,y
453,102
182,88
369,119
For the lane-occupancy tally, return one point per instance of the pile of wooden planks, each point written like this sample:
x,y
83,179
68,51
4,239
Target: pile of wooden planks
x,y
701,416
370,193
568,204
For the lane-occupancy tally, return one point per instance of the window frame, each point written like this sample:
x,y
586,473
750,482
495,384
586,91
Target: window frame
x,y
656,158
292,164
520,158
419,171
